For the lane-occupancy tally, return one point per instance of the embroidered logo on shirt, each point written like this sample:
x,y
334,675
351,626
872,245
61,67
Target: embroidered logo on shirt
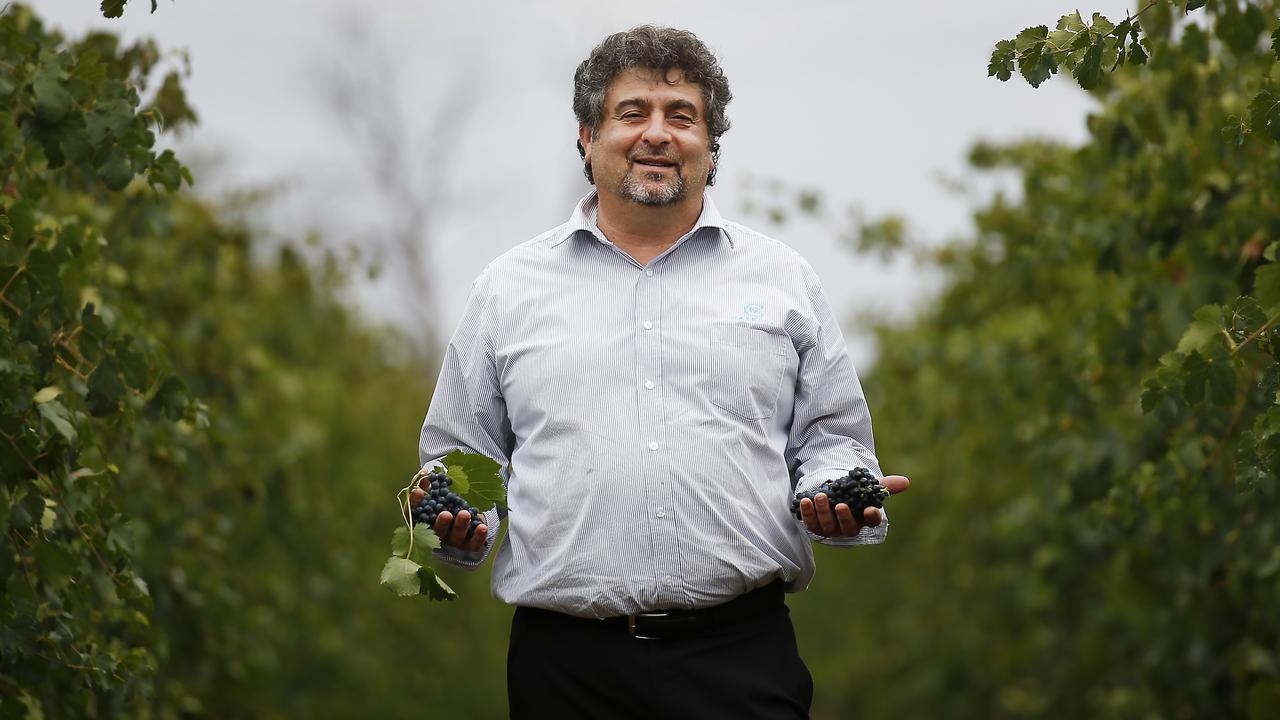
x,y
750,311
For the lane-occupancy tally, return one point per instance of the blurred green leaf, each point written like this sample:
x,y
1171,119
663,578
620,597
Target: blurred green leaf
x,y
1264,114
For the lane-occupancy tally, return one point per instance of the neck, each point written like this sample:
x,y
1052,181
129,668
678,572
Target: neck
x,y
647,229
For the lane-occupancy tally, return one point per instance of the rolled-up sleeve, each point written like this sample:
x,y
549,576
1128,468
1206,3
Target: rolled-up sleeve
x,y
467,410
831,423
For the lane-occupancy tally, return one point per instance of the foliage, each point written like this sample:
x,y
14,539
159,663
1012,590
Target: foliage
x,y
196,460
1090,413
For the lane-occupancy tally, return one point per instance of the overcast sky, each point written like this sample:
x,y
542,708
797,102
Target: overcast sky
x,y
868,102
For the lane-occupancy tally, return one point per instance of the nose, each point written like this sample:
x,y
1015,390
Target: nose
x,y
655,131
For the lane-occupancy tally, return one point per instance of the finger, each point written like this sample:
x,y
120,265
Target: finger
x,y
458,533
871,516
810,516
826,520
415,496
476,541
849,525
895,483
444,521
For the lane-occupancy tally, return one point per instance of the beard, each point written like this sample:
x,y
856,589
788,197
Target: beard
x,y
646,192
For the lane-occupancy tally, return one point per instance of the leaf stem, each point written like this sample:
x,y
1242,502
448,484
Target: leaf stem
x,y
1256,333
12,277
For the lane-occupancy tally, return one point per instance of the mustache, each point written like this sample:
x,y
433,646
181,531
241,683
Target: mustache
x,y
652,155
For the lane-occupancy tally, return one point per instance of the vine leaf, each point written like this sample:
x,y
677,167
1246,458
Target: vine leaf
x,y
400,575
1035,61
113,8
433,587
1266,287
1001,64
476,478
1204,329
1264,114
424,540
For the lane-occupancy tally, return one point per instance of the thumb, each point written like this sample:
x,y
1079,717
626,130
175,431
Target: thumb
x,y
895,483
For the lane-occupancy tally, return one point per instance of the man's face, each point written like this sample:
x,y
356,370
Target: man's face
x,y
652,146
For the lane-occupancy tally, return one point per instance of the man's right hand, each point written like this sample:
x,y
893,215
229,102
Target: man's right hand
x,y
451,530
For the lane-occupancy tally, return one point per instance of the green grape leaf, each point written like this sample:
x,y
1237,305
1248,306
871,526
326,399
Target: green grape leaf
x,y
1205,329
1035,59
1101,26
1137,53
169,400
113,8
424,541
1195,5
1264,114
484,486
105,388
1001,64
115,171
1088,72
461,483
52,99
59,418
1275,41
1266,287
1222,382
400,576
1195,373
433,587
1270,252
47,393
1233,133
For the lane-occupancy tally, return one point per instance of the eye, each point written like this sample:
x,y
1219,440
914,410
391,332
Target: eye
x,y
681,119
631,116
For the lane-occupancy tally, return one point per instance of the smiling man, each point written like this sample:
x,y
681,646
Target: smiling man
x,y
658,383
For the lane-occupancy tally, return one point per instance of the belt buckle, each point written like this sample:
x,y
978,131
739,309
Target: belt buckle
x,y
631,625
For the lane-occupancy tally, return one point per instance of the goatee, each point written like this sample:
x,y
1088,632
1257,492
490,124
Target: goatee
x,y
648,193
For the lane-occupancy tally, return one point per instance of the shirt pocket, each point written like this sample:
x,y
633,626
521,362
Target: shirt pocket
x,y
747,366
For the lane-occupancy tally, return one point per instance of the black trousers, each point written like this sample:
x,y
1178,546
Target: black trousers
x,y
564,667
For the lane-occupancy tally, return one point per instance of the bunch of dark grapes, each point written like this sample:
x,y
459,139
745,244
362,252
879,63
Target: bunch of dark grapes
x,y
440,498
859,490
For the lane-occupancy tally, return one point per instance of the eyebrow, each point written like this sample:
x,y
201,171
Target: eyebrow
x,y
645,104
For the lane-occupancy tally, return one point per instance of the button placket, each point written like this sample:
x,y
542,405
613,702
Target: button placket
x,y
657,461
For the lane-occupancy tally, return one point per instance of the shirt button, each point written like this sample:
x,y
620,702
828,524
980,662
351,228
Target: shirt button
x,y
662,513
648,325
649,272
666,580
653,445
648,385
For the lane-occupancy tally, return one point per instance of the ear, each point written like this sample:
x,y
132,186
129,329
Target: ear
x,y
584,137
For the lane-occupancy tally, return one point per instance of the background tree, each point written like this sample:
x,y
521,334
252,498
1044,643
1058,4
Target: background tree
x,y
200,452
1089,409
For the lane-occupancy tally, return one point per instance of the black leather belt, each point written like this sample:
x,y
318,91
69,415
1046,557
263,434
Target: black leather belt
x,y
676,623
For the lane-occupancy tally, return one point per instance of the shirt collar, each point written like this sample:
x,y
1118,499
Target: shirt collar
x,y
584,219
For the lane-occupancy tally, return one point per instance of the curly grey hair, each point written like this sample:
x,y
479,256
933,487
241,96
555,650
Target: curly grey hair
x,y
658,48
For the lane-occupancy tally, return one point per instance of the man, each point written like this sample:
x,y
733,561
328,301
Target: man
x,y
658,382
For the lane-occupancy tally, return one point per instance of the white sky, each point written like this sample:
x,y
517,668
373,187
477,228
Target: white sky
x,y
868,102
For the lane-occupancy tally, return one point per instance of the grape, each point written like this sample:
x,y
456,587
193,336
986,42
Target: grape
x,y
859,490
439,499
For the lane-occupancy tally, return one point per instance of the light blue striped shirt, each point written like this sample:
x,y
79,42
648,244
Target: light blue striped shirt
x,y
653,421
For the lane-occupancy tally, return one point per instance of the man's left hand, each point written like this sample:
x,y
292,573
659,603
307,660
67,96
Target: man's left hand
x,y
838,521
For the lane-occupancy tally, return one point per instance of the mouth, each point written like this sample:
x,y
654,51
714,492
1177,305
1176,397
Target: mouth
x,y
654,162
